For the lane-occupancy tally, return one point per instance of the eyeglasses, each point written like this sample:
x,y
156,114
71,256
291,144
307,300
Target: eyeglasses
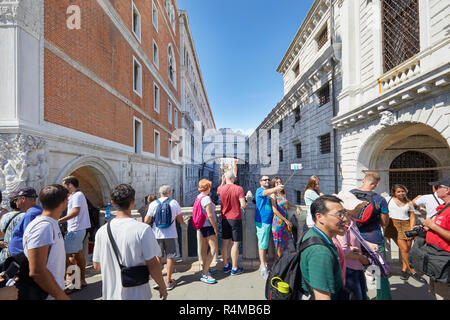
x,y
265,179
442,186
341,215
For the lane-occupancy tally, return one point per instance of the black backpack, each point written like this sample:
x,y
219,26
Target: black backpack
x,y
287,268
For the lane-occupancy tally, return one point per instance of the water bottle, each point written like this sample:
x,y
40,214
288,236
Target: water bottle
x,y
108,212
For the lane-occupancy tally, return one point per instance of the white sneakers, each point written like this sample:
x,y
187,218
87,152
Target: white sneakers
x,y
206,278
264,272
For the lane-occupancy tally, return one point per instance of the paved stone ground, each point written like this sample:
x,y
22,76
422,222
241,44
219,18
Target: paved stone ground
x,y
246,286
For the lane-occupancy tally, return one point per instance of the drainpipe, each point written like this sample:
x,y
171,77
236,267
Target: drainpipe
x,y
333,87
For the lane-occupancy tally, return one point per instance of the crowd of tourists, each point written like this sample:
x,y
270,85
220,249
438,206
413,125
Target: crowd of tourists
x,y
128,252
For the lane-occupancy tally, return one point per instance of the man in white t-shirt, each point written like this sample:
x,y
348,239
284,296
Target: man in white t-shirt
x,y
77,222
430,201
168,236
44,245
136,246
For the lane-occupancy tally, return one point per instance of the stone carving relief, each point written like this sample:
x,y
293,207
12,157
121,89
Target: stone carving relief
x,y
24,13
387,118
23,162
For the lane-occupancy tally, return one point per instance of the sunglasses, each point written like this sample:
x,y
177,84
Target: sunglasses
x,y
265,179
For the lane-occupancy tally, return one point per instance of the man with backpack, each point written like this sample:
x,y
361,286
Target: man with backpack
x,y
371,229
44,245
319,263
162,215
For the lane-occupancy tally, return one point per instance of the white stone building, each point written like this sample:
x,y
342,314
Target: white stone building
x,y
196,117
365,88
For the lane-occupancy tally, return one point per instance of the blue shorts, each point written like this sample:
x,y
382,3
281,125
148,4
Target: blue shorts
x,y
73,242
263,231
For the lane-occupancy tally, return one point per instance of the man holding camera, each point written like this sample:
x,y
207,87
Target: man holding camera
x,y
438,233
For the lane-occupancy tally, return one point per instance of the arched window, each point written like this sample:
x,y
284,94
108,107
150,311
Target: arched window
x,y
415,181
172,65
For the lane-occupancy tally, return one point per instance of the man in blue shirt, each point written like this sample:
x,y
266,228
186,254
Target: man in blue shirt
x,y
26,202
263,219
371,231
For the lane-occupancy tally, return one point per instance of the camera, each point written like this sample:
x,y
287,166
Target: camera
x,y
416,231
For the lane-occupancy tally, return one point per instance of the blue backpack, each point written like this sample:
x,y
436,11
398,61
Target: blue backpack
x,y
163,215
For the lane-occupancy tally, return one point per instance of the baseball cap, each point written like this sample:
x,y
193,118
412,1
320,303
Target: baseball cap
x,y
443,182
27,192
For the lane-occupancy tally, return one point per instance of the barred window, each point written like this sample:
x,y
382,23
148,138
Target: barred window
x,y
400,24
297,114
298,148
322,38
325,143
324,94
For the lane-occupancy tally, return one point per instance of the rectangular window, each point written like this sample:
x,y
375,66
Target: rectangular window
x,y
156,97
281,125
297,114
281,155
324,94
299,197
298,149
155,54
325,143
137,128
170,149
136,22
137,77
157,144
155,15
322,38
192,149
176,119
169,111
401,35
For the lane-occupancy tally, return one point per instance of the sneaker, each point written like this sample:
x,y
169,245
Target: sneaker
x,y
155,286
170,285
206,278
404,275
417,277
227,268
264,273
237,271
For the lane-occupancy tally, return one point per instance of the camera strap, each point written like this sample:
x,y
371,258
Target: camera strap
x,y
440,211
113,243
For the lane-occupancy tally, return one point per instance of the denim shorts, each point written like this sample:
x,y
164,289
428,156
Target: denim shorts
x,y
263,231
73,242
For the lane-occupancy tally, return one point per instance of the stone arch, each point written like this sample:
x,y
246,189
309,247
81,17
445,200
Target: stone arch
x,y
378,149
95,175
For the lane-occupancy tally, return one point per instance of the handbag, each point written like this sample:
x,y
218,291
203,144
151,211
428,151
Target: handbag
x,y
130,276
429,259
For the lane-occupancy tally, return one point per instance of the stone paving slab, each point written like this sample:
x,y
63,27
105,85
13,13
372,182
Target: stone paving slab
x,y
247,286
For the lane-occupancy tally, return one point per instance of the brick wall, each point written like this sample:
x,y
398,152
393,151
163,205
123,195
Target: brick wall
x,y
74,100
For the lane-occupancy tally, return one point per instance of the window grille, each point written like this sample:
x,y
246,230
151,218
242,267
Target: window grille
x,y
325,143
415,181
400,24
323,38
324,94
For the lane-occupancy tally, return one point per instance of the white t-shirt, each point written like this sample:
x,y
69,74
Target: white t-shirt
x,y
430,203
398,213
310,196
136,244
204,202
82,221
44,231
169,232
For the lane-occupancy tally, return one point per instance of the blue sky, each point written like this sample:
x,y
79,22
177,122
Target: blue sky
x,y
240,44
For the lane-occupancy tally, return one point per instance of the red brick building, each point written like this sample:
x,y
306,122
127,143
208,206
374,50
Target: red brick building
x,y
91,85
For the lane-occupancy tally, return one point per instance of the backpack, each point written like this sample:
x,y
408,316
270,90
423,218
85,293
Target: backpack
x,y
198,217
94,217
287,269
163,215
366,214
